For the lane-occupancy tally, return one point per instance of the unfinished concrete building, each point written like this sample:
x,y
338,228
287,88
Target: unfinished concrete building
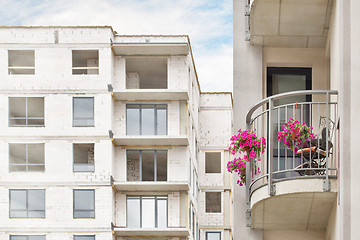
x,y
109,137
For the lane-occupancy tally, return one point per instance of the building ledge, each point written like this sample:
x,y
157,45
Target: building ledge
x,y
299,204
292,23
152,186
150,95
144,140
153,48
154,232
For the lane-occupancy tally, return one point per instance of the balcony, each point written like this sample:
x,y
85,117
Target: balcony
x,y
294,190
290,23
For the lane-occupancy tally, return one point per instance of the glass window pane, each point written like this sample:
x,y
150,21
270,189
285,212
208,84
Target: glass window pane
x,y
36,168
213,202
132,121
212,162
18,214
18,237
133,165
17,122
161,168
36,199
17,107
84,237
35,107
17,153
147,165
84,214
161,121
133,212
162,213
83,113
36,214
37,237
148,212
17,200
213,236
36,153
35,122
147,121
84,199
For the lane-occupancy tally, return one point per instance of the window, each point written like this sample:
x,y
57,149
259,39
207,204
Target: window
x,y
213,202
212,162
146,119
146,211
85,62
27,203
26,157
84,237
21,62
83,111
84,203
213,235
27,237
146,165
26,111
83,157
146,73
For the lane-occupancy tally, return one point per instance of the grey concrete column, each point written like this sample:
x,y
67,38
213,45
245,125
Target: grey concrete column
x,y
247,89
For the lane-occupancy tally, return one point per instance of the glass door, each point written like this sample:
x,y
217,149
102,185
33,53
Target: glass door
x,y
282,80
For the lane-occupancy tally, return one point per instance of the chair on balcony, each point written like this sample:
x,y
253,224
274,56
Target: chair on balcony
x,y
314,152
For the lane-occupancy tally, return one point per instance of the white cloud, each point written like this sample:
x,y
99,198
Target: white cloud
x,y
207,22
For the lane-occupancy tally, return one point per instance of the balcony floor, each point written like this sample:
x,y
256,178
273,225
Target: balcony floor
x,y
299,204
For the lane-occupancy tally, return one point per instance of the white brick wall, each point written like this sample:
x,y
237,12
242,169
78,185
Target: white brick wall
x,y
54,81
59,211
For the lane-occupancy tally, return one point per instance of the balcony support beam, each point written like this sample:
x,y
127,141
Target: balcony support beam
x,y
271,188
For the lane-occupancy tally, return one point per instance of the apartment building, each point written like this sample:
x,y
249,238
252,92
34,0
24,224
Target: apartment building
x,y
298,59
106,136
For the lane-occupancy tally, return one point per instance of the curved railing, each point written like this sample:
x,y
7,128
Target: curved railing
x,y
315,108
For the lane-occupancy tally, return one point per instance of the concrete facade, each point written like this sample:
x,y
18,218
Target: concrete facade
x,y
323,36
195,123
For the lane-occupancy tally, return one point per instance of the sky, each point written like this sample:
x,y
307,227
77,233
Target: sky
x,y
207,22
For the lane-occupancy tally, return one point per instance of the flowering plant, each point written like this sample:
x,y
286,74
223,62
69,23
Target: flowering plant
x,y
295,135
248,143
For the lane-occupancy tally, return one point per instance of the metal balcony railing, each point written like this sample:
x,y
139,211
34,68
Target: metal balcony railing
x,y
278,163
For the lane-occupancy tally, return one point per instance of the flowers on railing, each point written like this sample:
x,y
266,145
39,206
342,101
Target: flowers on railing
x,y
295,135
247,144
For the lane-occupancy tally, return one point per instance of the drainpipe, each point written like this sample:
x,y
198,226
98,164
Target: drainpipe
x,y
247,20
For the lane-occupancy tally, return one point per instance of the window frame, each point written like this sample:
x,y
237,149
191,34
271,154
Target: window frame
x,y
206,234
27,158
156,107
93,112
73,149
21,67
83,190
26,117
156,214
140,164
27,204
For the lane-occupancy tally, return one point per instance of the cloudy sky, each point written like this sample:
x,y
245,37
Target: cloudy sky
x,y
207,22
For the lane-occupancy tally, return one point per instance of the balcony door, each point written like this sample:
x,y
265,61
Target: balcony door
x,y
282,80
